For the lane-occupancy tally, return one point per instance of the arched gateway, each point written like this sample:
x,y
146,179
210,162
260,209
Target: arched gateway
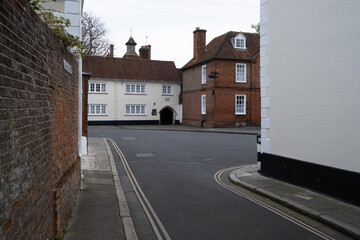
x,y
167,116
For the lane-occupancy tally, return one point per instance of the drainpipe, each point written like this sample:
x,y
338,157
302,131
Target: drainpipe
x,y
80,93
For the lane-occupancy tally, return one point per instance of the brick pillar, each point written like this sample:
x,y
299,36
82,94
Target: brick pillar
x,y
85,77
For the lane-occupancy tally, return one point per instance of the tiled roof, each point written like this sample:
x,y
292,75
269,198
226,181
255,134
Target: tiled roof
x,y
131,69
221,48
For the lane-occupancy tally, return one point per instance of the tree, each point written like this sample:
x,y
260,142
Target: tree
x,y
256,27
93,35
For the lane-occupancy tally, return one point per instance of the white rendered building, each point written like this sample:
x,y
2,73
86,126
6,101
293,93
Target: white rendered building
x,y
310,94
132,89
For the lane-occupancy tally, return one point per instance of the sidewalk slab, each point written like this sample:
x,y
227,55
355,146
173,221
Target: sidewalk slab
x,y
96,212
336,214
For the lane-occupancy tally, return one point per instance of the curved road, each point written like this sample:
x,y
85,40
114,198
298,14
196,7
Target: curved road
x,y
176,172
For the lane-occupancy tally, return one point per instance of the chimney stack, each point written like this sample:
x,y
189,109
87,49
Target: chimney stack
x,y
111,53
145,52
199,42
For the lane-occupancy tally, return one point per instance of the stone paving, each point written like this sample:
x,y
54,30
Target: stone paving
x,y
96,212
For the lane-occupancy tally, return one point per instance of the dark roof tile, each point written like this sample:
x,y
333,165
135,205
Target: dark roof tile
x,y
131,69
221,48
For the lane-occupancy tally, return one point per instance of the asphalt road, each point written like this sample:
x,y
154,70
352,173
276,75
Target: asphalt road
x,y
176,172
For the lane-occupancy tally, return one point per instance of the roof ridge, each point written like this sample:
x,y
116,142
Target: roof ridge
x,y
222,44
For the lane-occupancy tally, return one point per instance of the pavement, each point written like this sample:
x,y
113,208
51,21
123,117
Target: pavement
x,y
334,213
101,210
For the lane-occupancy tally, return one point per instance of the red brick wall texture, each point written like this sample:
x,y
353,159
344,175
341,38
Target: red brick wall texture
x,y
220,95
39,163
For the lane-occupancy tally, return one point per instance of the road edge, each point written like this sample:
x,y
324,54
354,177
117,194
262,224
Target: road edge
x,y
130,233
327,220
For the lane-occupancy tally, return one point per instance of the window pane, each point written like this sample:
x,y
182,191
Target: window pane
x,y
92,87
240,104
242,43
142,88
142,109
237,43
203,104
97,109
92,109
203,78
97,87
132,88
164,90
240,73
127,88
169,89
103,87
128,110
103,109
137,88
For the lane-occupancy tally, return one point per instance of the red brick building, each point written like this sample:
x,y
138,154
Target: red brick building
x,y
221,86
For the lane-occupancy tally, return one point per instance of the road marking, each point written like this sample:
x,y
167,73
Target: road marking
x,y
149,211
217,178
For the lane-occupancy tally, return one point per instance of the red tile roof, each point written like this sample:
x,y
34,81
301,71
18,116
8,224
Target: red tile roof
x,y
131,69
221,48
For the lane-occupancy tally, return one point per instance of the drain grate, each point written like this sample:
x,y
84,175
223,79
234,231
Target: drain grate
x,y
144,155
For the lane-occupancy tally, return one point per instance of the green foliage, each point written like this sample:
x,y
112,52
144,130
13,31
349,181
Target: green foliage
x,y
256,27
58,24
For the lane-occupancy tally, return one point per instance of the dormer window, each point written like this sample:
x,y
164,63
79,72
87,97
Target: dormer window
x,y
239,41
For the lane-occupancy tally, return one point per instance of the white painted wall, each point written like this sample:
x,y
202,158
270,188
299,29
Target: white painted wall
x,y
116,99
70,9
310,87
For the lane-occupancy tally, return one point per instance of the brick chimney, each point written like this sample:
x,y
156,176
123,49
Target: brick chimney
x,y
145,52
111,53
199,42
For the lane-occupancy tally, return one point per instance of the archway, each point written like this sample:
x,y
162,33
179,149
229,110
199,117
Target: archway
x,y
166,116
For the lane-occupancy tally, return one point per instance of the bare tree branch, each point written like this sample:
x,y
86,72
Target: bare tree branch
x,y
94,35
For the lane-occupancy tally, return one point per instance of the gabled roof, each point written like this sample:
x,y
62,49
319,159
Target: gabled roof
x,y
131,69
221,48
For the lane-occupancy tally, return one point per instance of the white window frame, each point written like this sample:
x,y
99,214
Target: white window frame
x,y
135,88
166,90
238,77
203,104
97,109
97,87
240,107
135,109
203,74
239,41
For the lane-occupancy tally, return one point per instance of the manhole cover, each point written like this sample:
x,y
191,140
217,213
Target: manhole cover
x,y
144,155
128,138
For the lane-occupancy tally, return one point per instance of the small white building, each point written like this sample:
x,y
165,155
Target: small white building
x,y
310,94
132,89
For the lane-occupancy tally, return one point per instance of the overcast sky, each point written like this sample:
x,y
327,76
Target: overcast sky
x,y
168,25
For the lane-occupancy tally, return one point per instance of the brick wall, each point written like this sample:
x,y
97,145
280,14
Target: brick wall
x,y
39,163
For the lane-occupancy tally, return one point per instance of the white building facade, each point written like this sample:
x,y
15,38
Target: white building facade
x,y
120,101
310,93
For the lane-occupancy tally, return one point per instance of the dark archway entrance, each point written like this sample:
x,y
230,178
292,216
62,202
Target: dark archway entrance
x,y
166,116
